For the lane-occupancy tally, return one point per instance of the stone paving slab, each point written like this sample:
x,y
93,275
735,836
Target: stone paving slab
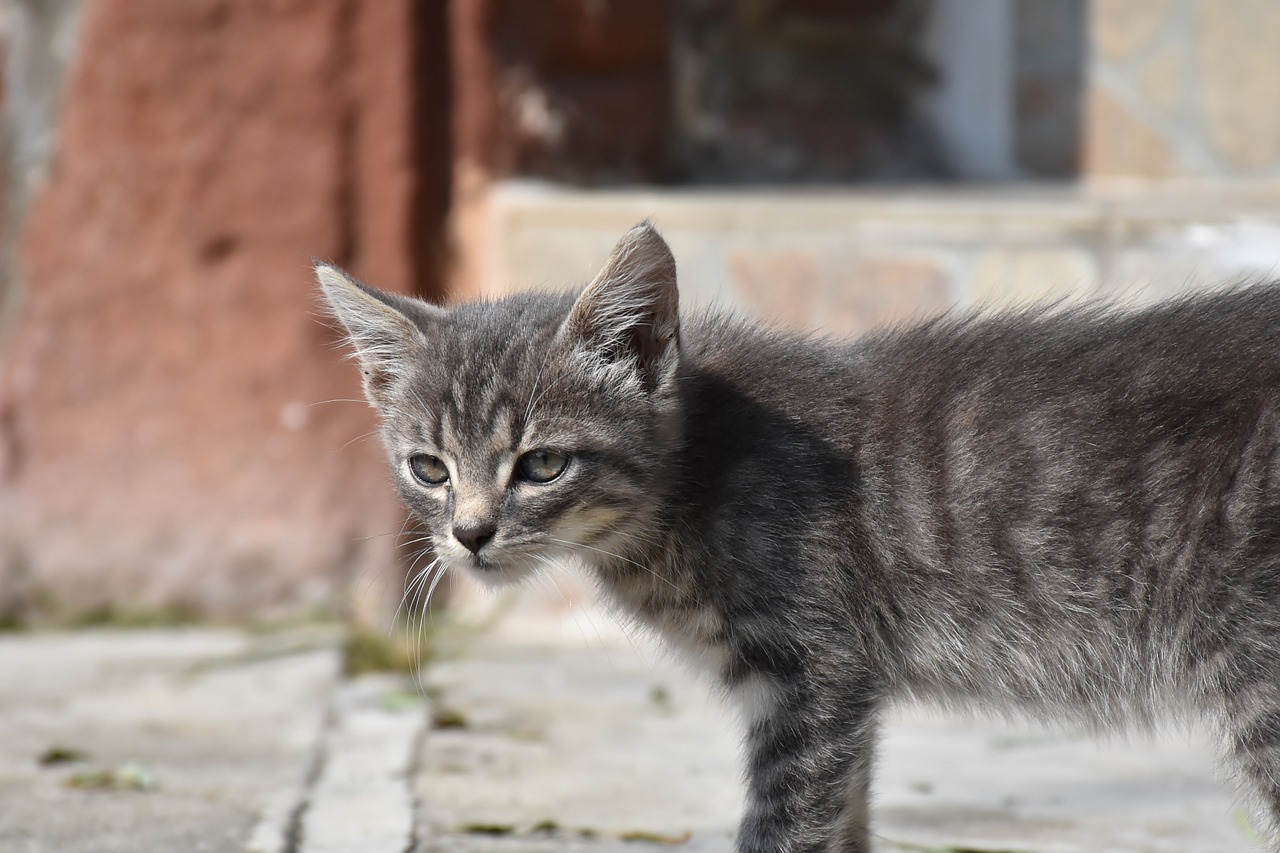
x,y
220,722
360,799
552,732
600,743
595,739
947,781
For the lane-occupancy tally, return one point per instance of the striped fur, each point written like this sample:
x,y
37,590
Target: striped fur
x,y
1073,514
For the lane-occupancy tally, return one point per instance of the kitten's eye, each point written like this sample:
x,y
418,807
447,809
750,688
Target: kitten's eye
x,y
428,470
541,466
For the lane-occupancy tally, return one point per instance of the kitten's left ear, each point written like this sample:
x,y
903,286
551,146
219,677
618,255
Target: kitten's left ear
x,y
384,329
630,313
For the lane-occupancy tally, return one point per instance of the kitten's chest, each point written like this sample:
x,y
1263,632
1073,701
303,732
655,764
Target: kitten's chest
x,y
694,631
701,637
697,635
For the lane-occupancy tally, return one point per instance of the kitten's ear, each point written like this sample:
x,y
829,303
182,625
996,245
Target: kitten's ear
x,y
630,314
384,329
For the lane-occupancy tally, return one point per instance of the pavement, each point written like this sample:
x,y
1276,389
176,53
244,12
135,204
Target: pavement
x,y
533,729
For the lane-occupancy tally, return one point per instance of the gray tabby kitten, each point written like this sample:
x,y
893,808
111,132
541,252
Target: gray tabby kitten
x,y
1072,513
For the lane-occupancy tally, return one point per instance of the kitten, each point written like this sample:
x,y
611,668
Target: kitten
x,y
1073,513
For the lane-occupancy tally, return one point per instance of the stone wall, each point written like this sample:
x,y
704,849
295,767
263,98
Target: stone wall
x,y
812,91
844,263
808,91
1184,89
177,426
165,435
574,90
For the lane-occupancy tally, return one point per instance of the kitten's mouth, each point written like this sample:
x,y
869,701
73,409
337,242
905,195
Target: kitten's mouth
x,y
507,564
491,571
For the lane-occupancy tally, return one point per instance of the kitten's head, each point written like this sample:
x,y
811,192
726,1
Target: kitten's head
x,y
528,428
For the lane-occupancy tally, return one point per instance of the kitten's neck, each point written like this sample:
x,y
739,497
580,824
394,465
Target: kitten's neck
x,y
749,451
656,583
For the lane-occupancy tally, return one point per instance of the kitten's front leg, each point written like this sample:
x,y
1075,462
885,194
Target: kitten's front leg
x,y
809,771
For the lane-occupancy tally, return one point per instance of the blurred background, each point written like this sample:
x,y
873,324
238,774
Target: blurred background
x,y
167,445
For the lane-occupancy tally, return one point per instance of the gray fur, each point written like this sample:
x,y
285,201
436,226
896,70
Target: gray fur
x,y
1070,513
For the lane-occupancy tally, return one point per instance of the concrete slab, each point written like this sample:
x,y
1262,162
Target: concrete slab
x,y
948,782
218,722
577,745
552,731
360,799
566,736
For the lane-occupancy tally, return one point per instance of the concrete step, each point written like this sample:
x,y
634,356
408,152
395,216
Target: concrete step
x,y
842,261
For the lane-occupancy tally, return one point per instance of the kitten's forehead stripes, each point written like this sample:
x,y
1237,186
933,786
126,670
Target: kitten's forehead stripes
x,y
437,429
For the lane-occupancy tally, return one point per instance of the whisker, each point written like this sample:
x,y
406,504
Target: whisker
x,y
617,557
544,393
425,614
417,580
336,400
419,586
545,578
373,573
581,612
541,418
359,438
414,636
373,536
414,583
627,627
528,409
418,399
426,604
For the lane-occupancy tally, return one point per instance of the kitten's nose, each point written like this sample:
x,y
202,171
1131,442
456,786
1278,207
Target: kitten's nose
x,y
474,538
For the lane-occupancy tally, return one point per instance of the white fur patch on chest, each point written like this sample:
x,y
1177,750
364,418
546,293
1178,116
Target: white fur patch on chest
x,y
755,697
691,634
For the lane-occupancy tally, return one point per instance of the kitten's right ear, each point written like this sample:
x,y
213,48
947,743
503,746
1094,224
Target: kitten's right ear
x,y
384,329
629,315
